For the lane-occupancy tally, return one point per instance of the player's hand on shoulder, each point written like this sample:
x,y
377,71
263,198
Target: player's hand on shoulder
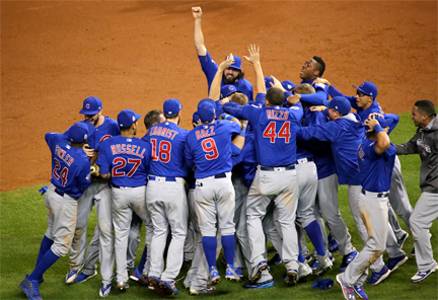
x,y
371,123
254,54
89,151
321,80
197,12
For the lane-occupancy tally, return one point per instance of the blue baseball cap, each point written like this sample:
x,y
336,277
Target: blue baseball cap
x,y
288,85
126,118
195,118
206,112
77,133
340,104
228,90
368,88
171,107
206,100
91,106
237,64
268,81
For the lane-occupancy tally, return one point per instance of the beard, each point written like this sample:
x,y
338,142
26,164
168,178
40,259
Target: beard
x,y
230,78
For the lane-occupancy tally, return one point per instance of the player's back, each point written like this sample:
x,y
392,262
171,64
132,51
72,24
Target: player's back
x,y
126,158
210,147
70,166
275,134
167,144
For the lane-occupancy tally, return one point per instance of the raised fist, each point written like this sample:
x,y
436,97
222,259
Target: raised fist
x,y
197,12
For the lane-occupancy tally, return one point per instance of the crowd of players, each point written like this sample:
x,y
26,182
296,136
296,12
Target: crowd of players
x,y
260,165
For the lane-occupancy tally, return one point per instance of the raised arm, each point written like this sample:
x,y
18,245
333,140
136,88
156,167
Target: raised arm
x,y
254,59
198,35
215,87
382,139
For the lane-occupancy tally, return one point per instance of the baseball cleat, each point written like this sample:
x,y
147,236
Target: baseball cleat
x,y
394,263
71,276
84,277
378,277
153,282
231,274
135,275
105,290
333,245
259,285
31,289
347,259
168,287
214,275
304,271
204,291
122,286
291,278
347,291
420,276
257,271
325,264
239,272
360,292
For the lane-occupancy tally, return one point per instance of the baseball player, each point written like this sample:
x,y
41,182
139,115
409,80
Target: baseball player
x,y
232,75
425,143
166,197
124,159
209,149
70,177
140,273
100,128
365,102
376,157
275,179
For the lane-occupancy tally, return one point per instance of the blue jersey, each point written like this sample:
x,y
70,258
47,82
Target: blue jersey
x,y
345,136
126,159
376,170
70,166
209,148
167,141
209,67
99,134
274,130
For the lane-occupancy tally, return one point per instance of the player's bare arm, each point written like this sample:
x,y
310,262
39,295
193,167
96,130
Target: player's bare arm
x,y
254,58
239,140
198,35
215,88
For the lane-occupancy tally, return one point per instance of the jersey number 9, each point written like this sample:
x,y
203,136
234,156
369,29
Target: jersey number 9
x,y
210,149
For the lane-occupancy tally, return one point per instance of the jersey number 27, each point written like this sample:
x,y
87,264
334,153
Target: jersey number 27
x,y
271,133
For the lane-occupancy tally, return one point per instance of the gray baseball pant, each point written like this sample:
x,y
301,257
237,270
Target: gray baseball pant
x,y
124,202
329,209
307,187
281,186
167,205
374,213
398,196
425,212
61,221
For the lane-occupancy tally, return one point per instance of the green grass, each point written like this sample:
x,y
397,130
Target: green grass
x,y
23,220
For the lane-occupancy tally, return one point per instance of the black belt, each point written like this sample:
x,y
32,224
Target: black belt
x,y
166,178
61,193
379,195
289,167
221,175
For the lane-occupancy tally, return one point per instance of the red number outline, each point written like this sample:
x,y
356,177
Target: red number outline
x,y
64,172
164,151
210,149
120,163
271,132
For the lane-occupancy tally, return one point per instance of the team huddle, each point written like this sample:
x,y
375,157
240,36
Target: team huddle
x,y
261,165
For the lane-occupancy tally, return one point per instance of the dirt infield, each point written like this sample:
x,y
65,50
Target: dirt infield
x,y
135,54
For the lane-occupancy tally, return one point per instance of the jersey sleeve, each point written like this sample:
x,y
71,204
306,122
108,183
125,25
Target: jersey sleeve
x,y
327,132
318,98
52,138
103,159
246,87
297,112
333,92
209,67
260,98
236,156
232,126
